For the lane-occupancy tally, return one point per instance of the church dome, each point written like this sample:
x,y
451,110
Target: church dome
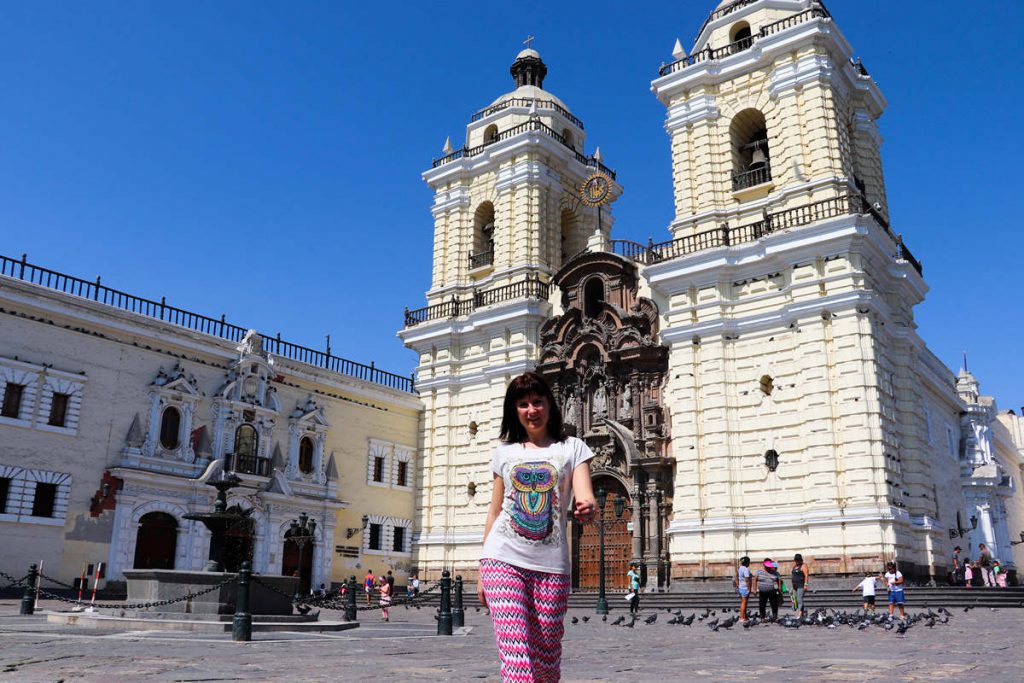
x,y
528,72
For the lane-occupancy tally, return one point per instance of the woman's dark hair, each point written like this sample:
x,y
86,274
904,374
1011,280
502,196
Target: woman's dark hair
x,y
528,384
798,558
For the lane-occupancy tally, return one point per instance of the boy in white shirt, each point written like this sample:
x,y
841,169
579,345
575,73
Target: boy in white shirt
x,y
867,587
894,581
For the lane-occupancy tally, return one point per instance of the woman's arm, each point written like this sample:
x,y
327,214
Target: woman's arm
x,y
753,584
583,489
807,577
497,498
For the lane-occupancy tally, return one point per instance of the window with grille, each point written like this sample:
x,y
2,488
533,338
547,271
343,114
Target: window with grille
x,y
398,542
44,500
375,536
402,476
58,409
378,468
306,455
12,400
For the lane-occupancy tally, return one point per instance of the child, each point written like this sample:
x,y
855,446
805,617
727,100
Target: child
x,y
867,587
968,572
894,581
385,599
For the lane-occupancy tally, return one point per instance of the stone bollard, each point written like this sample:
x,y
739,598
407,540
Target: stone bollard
x,y
28,598
458,613
350,600
241,627
444,618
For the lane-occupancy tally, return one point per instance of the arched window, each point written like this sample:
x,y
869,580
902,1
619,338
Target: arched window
x,y
306,455
156,541
739,37
567,136
482,253
751,160
593,297
246,441
490,134
170,425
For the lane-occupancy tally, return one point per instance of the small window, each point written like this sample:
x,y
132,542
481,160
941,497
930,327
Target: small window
x,y
375,535
490,134
246,441
43,502
12,400
398,543
402,476
58,409
5,490
306,455
593,297
170,426
378,468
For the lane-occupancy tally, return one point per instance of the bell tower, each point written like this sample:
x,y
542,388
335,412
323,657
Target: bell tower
x,y
508,212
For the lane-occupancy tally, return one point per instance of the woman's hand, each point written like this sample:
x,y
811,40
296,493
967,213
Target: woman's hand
x,y
480,593
586,510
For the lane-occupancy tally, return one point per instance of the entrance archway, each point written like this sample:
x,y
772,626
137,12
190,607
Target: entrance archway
x,y
618,543
290,562
156,541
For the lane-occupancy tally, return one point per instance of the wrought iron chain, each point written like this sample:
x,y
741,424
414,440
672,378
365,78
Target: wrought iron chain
x,y
59,583
137,605
14,582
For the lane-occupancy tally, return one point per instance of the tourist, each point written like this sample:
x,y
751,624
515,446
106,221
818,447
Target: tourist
x,y
766,585
368,586
742,585
999,573
801,582
415,586
867,588
985,566
968,573
894,582
633,579
524,566
391,581
385,599
954,575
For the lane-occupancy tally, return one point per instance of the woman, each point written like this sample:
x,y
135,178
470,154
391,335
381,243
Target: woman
x,y
524,565
385,599
801,582
766,585
742,585
633,578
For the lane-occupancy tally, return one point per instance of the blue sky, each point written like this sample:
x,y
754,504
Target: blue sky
x,y
263,159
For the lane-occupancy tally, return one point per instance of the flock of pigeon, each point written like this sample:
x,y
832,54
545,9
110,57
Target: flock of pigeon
x,y
831,619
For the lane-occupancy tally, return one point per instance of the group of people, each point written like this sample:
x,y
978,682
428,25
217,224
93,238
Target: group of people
x,y
769,586
985,570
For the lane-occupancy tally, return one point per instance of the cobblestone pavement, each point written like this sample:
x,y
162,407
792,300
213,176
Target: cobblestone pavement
x,y
979,645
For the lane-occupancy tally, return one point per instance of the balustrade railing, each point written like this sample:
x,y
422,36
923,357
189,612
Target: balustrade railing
x,y
530,288
484,258
527,102
708,53
526,126
21,269
725,236
248,464
757,176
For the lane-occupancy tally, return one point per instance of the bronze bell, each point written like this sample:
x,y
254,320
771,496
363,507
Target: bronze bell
x,y
758,159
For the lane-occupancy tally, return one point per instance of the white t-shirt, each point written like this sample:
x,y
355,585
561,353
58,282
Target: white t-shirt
x,y
530,530
867,586
891,579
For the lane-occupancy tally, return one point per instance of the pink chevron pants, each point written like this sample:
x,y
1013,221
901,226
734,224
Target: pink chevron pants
x,y
527,609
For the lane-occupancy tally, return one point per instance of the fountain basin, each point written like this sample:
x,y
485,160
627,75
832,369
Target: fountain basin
x,y
151,585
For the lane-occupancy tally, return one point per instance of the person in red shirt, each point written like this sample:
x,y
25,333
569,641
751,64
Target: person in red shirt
x,y
368,586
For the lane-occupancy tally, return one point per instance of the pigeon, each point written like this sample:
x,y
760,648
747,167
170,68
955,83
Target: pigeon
x,y
688,620
746,623
630,624
303,609
967,609
604,617
477,609
651,619
575,620
586,619
619,620
863,625
930,623
903,628
730,622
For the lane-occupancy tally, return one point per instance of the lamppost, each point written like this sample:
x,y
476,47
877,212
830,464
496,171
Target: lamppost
x,y
300,533
620,504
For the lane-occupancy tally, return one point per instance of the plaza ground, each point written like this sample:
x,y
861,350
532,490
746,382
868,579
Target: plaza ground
x,y
979,645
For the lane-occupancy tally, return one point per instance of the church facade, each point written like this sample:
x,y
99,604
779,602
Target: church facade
x,y
753,386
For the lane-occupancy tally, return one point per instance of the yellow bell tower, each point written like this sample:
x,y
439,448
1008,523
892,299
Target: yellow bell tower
x,y
508,212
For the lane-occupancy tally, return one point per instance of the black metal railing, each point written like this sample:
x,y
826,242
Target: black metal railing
x,y
756,176
484,258
709,53
21,269
531,288
724,236
527,102
248,464
525,127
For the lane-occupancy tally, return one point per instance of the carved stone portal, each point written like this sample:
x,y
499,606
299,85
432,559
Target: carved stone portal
x,y
608,372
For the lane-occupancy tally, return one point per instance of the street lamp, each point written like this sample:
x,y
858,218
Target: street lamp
x,y
620,505
300,533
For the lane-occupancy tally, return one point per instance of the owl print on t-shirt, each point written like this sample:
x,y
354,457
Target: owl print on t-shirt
x,y
534,497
